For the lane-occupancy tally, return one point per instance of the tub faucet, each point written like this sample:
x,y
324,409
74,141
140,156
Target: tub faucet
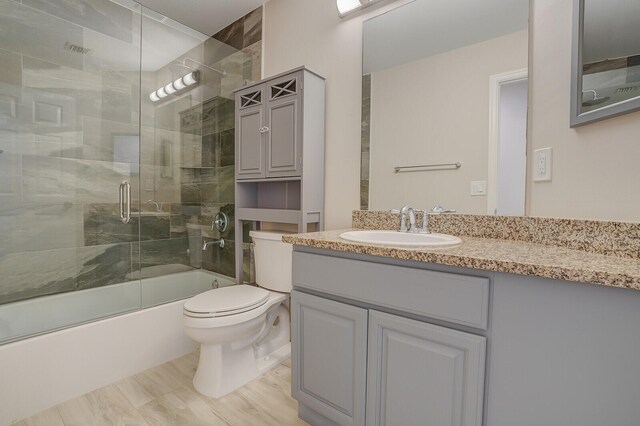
x,y
217,243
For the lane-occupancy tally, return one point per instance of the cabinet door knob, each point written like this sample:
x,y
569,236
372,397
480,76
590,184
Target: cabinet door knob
x,y
264,129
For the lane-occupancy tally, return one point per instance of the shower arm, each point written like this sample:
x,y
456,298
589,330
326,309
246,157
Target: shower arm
x,y
184,64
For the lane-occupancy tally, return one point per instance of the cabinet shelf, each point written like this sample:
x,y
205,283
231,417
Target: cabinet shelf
x,y
263,180
276,215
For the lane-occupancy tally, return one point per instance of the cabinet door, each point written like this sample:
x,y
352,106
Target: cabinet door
x,y
250,149
422,374
284,122
329,357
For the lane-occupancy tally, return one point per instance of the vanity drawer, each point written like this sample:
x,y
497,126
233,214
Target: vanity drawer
x,y
456,298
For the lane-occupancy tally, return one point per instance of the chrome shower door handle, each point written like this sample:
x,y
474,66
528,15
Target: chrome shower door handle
x,y
125,201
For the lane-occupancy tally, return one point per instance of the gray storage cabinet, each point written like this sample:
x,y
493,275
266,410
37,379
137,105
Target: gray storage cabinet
x,y
417,373
270,124
280,153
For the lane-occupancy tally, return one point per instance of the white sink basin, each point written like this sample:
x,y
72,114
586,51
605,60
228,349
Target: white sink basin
x,y
404,239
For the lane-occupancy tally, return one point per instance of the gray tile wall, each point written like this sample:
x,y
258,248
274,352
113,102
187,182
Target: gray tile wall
x,y
59,172
365,142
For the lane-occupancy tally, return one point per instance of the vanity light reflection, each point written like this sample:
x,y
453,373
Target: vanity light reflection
x,y
171,88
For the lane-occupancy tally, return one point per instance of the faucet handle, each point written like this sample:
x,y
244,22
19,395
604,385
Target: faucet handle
x,y
394,211
440,210
425,221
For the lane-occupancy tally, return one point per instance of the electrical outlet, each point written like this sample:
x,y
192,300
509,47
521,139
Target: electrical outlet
x,y
542,165
478,187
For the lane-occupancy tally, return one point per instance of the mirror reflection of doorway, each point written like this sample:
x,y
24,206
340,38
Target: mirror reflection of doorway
x,y
508,144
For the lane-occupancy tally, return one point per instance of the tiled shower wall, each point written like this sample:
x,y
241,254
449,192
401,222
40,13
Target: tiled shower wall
x,y
214,182
60,167
365,135
58,161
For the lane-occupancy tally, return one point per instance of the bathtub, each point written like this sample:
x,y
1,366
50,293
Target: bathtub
x,y
49,313
67,361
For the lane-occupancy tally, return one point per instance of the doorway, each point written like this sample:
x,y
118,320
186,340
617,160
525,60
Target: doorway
x,y
508,144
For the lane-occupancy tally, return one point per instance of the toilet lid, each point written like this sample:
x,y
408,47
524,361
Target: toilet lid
x,y
225,301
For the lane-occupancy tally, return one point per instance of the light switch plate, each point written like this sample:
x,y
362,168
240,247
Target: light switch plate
x,y
478,187
542,165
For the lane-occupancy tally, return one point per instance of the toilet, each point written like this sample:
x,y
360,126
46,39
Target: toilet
x,y
243,330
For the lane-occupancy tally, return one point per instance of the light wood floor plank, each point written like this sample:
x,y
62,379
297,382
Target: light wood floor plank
x,y
79,411
134,391
237,410
50,417
164,395
180,407
113,408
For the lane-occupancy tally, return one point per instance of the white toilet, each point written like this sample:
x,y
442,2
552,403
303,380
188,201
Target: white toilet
x,y
243,330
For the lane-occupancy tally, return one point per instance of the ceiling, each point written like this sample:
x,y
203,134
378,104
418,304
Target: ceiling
x,y
206,16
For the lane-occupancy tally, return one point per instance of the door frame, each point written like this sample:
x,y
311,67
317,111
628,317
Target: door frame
x,y
495,85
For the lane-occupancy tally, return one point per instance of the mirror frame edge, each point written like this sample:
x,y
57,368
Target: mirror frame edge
x,y
577,118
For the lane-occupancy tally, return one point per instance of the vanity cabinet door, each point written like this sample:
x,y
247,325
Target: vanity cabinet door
x,y
422,374
329,357
250,130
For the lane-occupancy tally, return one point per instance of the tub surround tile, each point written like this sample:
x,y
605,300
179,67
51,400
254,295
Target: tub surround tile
x,y
63,270
11,70
252,27
232,35
227,148
38,34
104,17
161,252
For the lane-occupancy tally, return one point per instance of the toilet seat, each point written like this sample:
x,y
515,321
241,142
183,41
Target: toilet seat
x,y
226,301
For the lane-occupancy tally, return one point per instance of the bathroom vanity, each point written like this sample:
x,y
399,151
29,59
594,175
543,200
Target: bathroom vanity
x,y
401,337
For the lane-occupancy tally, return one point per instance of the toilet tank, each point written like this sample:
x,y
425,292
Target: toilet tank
x,y
273,260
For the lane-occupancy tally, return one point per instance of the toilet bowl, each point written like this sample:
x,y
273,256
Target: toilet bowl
x,y
243,330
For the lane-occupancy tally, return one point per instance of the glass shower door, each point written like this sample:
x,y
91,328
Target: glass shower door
x,y
69,136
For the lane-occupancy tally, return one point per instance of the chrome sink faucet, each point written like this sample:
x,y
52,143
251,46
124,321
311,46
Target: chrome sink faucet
x,y
411,213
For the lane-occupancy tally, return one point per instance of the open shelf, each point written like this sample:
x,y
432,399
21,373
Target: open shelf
x,y
281,194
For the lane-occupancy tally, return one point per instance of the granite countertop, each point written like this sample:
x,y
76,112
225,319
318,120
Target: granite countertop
x,y
516,257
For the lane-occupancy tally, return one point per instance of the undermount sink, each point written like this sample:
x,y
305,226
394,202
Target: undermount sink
x,y
405,239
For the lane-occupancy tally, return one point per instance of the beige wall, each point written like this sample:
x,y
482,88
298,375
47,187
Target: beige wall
x,y
310,32
595,169
416,114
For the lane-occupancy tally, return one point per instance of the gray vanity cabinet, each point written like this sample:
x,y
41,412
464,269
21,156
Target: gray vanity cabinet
x,y
374,317
330,358
420,373
269,122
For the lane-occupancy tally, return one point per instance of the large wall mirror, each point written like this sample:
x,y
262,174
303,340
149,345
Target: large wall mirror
x,y
606,59
445,106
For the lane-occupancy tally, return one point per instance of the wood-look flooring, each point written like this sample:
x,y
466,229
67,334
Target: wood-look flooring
x,y
164,395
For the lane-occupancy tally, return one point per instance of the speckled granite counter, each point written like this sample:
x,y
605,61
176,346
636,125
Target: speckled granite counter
x,y
517,257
